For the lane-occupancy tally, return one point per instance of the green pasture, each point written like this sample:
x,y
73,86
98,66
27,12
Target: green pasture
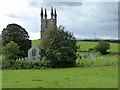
x,y
87,77
35,42
85,45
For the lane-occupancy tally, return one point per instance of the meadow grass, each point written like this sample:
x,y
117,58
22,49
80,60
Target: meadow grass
x,y
36,42
99,77
86,45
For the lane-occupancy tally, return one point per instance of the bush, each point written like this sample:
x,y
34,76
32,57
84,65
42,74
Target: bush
x,y
11,51
24,65
102,47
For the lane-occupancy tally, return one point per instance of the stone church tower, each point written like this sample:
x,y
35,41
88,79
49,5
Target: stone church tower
x,y
46,23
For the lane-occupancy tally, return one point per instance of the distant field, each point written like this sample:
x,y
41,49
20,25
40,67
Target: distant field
x,y
90,77
85,45
35,42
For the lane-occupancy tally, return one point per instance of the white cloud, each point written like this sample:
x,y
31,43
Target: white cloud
x,y
18,11
34,35
83,20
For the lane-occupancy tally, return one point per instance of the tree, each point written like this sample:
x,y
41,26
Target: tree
x,y
102,47
59,47
11,51
19,35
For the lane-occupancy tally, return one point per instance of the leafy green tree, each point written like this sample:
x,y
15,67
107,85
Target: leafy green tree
x,y
11,51
59,47
102,47
19,35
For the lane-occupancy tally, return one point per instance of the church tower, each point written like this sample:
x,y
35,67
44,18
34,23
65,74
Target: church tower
x,y
46,23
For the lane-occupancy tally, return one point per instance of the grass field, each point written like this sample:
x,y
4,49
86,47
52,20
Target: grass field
x,y
85,45
100,77
80,77
35,42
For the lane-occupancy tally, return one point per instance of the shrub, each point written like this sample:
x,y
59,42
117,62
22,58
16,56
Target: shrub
x,y
24,65
10,51
102,47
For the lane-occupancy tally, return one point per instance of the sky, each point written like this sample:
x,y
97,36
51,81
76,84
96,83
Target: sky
x,y
86,19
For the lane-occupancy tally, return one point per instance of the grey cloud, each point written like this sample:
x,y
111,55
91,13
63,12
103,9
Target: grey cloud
x,y
58,5
64,3
100,20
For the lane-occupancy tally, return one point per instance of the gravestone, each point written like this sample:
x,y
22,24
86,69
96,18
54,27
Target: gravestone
x,y
92,56
19,59
82,55
33,53
26,58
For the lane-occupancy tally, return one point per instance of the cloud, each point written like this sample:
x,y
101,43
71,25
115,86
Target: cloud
x,y
56,4
34,35
81,18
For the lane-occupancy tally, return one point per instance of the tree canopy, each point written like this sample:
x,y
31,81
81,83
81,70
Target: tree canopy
x,y
102,47
59,47
14,32
11,51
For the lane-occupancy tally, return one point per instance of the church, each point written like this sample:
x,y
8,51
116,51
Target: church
x,y
45,22
33,52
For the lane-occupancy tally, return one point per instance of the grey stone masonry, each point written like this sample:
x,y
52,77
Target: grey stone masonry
x,y
33,53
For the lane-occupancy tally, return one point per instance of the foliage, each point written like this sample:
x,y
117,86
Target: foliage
x,y
59,47
102,47
24,65
11,51
19,35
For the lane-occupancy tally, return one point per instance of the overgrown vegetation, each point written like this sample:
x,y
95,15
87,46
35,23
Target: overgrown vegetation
x,y
59,47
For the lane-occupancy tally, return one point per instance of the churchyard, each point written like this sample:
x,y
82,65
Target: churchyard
x,y
99,72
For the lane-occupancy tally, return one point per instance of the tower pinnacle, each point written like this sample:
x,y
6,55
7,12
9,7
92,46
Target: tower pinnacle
x,y
41,13
51,12
55,13
45,14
